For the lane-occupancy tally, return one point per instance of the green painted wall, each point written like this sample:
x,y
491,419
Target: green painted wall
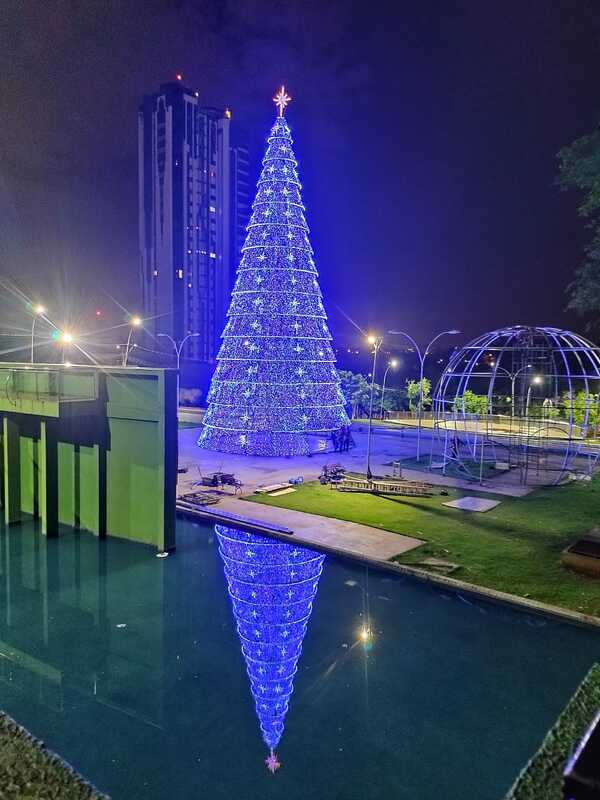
x,y
102,455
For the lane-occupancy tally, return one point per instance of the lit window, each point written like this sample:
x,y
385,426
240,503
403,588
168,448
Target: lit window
x,y
213,209
156,273
180,273
213,255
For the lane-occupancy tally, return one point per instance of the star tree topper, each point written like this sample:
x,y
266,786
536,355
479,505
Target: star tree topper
x,y
281,100
272,763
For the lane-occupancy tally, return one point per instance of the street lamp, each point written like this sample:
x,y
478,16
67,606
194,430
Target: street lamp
x,y
134,322
422,357
65,338
38,311
178,348
392,363
513,378
376,342
535,381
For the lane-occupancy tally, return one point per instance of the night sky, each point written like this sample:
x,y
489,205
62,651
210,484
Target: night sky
x,y
427,137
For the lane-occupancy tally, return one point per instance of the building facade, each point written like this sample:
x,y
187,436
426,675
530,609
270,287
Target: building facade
x,y
192,187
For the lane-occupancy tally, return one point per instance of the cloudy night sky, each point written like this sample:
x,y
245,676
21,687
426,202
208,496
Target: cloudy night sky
x,y
426,133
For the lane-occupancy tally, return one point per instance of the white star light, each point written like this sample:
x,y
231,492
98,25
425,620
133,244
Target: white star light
x,y
290,257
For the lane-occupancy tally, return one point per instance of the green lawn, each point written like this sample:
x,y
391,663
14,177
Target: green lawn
x,y
513,548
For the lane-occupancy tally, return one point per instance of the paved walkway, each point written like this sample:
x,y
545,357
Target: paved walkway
x,y
387,446
333,534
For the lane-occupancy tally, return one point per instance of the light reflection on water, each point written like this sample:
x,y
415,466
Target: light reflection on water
x,y
131,667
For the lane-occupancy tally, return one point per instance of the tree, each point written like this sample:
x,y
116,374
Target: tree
x,y
584,407
579,168
394,400
413,391
275,384
471,403
272,586
356,390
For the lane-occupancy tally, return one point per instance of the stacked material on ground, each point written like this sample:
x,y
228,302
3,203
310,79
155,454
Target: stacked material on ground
x,y
543,775
28,770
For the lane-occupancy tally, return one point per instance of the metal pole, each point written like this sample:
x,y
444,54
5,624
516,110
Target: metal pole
x,y
32,330
422,360
383,390
376,348
126,353
178,348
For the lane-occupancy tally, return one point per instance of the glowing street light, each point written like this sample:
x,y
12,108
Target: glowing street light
x,y
134,322
392,364
65,338
535,381
38,311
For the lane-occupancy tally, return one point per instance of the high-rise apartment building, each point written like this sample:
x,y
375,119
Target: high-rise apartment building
x,y
193,188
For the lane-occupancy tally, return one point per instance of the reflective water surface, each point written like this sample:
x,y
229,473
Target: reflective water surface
x,y
144,673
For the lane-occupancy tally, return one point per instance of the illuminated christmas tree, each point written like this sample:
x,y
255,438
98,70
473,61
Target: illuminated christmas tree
x,y
276,388
272,586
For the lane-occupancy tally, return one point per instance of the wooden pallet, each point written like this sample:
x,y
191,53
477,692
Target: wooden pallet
x,y
403,488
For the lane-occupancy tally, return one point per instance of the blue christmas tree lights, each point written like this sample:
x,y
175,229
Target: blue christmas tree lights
x,y
272,586
276,387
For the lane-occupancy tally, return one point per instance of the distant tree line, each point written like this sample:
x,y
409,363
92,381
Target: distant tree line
x,y
356,389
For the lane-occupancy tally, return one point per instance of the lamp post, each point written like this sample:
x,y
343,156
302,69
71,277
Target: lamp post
x,y
65,338
422,357
536,380
134,322
392,363
38,311
376,341
178,348
513,378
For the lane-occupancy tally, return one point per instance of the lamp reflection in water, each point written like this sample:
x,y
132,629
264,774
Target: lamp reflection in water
x,y
272,586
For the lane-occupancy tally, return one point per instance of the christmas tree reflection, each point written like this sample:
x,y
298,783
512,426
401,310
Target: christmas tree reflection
x,y
272,585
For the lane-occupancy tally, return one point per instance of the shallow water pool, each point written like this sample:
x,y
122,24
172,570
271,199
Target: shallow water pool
x,y
131,668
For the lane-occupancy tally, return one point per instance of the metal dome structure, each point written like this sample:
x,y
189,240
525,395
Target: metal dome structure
x,y
522,401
